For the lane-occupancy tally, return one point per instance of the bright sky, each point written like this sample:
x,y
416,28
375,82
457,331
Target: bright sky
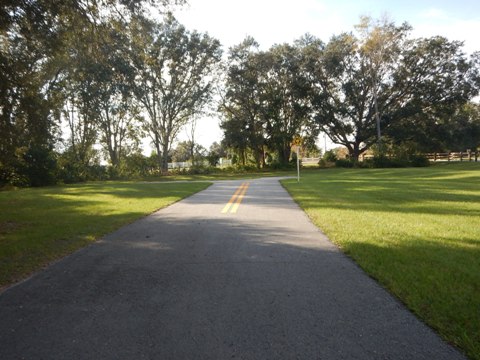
x,y
278,21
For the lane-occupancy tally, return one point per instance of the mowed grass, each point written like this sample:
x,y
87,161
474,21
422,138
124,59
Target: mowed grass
x,y
224,175
38,226
417,231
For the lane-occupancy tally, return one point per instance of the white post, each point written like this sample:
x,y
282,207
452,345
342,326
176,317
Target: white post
x,y
298,163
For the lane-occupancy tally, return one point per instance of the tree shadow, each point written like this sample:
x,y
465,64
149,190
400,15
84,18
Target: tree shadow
x,y
210,287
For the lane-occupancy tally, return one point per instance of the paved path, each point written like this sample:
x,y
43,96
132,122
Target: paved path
x,y
191,282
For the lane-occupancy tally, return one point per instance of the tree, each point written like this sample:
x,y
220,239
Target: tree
x,y
241,106
380,41
35,50
266,99
464,128
215,153
286,98
457,130
417,80
114,105
174,78
183,152
27,75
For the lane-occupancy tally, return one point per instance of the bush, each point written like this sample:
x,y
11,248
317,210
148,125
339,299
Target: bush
x,y
330,156
275,165
344,163
419,161
386,162
39,166
245,168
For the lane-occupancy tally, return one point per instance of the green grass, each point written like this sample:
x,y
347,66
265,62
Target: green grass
x,y
416,230
224,175
38,226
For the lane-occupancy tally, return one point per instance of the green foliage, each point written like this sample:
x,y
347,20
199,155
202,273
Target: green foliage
x,y
175,77
138,166
413,83
414,230
213,158
383,161
39,166
330,156
419,161
64,61
344,163
216,152
276,165
265,103
74,76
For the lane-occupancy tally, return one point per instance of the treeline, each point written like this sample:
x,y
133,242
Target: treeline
x,y
372,88
82,81
85,80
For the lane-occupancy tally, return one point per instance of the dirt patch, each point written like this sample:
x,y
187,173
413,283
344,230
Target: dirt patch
x,y
7,227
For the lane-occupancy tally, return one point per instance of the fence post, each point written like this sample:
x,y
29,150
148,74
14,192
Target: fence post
x,y
461,155
469,152
434,157
448,156
476,156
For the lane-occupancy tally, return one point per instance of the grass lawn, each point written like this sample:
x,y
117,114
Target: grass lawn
x,y
224,175
38,226
416,230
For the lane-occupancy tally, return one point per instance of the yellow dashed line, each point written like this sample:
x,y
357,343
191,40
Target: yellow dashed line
x,y
236,198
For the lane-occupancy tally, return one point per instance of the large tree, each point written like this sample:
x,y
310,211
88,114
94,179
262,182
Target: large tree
x,y
115,108
243,115
175,75
286,98
362,87
266,98
35,50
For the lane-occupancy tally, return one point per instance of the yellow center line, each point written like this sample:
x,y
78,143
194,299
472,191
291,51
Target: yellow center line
x,y
239,199
242,189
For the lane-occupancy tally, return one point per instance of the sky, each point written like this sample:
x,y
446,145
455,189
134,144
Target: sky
x,y
277,21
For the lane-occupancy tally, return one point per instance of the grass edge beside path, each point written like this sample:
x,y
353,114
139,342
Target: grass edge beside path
x,y
415,231
41,225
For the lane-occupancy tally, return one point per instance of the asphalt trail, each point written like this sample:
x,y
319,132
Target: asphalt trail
x,y
193,282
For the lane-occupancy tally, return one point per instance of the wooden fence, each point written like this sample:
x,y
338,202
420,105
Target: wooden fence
x,y
447,156
454,156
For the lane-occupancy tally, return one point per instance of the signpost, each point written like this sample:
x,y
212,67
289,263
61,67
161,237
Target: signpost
x,y
297,143
298,163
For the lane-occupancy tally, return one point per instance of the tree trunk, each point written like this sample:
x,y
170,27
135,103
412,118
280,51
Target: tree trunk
x,y
355,153
164,159
159,153
114,158
284,154
258,156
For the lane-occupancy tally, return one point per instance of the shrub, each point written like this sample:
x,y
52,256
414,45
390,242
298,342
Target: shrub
x,y
275,165
344,163
39,166
245,168
330,156
419,161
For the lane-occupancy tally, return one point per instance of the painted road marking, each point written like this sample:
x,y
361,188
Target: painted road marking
x,y
236,198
